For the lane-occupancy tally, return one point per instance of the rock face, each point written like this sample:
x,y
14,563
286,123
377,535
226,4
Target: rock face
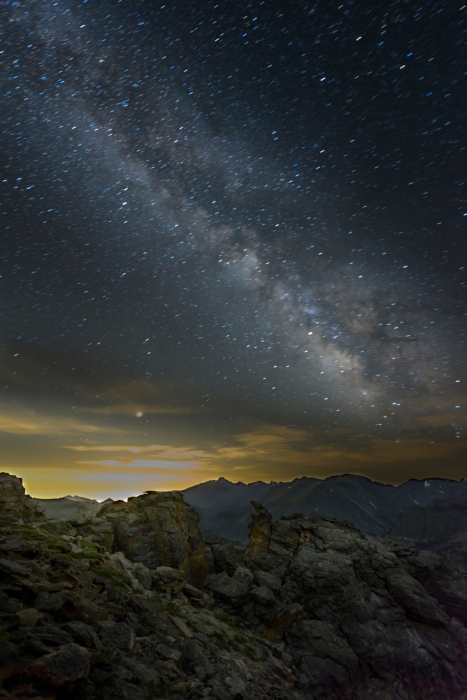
x,y
13,500
310,609
156,529
361,618
223,554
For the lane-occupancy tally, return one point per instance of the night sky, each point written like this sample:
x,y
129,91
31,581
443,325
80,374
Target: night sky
x,y
233,242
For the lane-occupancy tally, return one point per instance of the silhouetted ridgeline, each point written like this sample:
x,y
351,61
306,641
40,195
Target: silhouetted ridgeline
x,y
225,508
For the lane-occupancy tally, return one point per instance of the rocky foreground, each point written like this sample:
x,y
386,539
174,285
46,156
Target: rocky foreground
x,y
134,604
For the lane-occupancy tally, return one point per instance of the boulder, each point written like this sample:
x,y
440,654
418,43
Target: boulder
x,y
227,555
83,634
169,580
29,617
263,595
231,588
157,529
63,668
168,653
263,578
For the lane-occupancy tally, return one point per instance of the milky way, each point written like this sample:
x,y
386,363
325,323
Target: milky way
x,y
266,201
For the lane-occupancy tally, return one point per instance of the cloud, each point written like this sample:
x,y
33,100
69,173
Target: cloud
x,y
143,464
442,420
137,396
23,421
163,451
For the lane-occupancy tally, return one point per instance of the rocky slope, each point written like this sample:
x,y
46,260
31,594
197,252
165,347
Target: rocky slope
x,y
134,604
225,508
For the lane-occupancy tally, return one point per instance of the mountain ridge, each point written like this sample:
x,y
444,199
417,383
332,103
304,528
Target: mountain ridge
x,y
225,507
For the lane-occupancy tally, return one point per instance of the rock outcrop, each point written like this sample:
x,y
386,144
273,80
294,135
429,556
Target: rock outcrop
x,y
14,502
156,529
360,617
133,605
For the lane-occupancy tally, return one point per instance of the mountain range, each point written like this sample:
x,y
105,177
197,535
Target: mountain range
x,y
374,508
431,512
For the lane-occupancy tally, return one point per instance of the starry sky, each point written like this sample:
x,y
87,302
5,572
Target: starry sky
x,y
233,242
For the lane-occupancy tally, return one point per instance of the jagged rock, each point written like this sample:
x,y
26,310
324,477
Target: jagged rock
x,y
444,583
231,588
45,637
260,533
141,672
83,634
119,560
99,530
62,668
169,580
322,653
192,592
115,635
263,595
14,503
48,602
263,578
13,568
140,575
227,555
363,603
414,599
157,529
182,626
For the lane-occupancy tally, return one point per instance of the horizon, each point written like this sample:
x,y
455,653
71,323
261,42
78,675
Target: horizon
x,y
123,497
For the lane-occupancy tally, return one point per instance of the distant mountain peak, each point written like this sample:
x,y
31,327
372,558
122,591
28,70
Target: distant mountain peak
x,y
225,507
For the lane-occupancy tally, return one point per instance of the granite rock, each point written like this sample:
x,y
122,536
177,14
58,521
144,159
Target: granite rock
x,y
14,503
156,529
